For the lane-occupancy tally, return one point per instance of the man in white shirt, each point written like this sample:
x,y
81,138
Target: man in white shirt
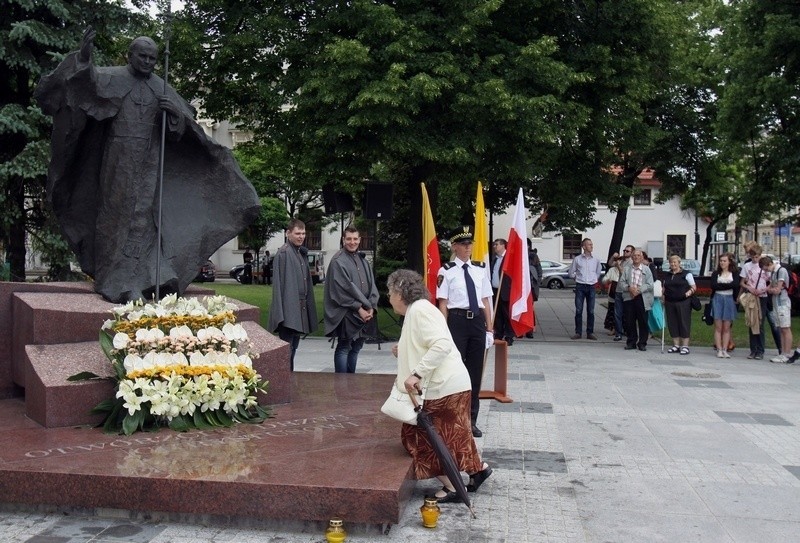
x,y
464,295
586,270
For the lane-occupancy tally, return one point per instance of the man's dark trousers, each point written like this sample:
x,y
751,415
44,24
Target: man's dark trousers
x,y
469,335
636,322
584,293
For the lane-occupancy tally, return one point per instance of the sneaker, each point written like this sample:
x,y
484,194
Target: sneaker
x,y
780,359
720,355
758,356
725,354
617,338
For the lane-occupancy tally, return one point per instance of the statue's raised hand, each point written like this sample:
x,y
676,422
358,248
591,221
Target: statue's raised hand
x,y
87,44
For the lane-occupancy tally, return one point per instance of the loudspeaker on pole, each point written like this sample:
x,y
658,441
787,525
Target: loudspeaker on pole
x,y
335,201
378,201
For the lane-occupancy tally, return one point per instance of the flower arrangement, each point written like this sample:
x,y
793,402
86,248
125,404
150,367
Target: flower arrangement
x,y
179,362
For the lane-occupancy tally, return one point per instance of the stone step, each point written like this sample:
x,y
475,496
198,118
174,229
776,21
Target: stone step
x,y
46,318
329,453
53,401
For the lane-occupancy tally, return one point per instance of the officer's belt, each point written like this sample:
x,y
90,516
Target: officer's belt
x,y
464,312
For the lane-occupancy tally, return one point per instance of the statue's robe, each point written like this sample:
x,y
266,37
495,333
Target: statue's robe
x,y
103,180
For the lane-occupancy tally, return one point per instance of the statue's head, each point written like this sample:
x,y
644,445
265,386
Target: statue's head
x,y
142,55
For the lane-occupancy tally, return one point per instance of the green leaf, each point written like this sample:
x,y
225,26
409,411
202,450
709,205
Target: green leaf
x,y
181,423
200,421
107,344
83,376
106,406
211,417
132,422
112,423
224,418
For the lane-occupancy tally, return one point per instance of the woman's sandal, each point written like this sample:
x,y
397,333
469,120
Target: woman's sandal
x,y
674,349
449,496
478,479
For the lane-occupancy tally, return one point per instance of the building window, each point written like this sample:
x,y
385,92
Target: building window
x,y
676,245
571,246
313,240
642,198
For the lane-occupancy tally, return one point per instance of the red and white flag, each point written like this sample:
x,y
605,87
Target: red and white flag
x,y
515,266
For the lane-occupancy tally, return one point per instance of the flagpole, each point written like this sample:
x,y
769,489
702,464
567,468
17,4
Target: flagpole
x,y
160,192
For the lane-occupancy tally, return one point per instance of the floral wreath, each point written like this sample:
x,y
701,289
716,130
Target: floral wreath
x,y
179,362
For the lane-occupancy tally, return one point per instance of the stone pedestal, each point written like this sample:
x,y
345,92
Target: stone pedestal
x,y
55,335
329,453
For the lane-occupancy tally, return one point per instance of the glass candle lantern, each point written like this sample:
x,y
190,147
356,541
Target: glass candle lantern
x,y
335,533
430,512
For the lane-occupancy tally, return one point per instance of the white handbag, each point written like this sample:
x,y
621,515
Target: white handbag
x,y
400,407
658,289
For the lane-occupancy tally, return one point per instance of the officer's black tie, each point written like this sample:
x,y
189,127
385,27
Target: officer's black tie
x,y
473,298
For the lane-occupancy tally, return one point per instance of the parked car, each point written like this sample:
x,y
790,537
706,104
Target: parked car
x,y
207,273
555,275
243,273
688,264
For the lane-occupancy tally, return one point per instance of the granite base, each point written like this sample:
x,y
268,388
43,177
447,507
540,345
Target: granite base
x,y
328,453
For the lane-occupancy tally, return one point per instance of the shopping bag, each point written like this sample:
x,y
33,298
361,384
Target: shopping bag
x,y
655,321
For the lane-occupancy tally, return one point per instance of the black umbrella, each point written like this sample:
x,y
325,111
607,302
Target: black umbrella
x,y
446,459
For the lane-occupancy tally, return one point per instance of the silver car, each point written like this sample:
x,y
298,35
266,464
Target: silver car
x,y
555,275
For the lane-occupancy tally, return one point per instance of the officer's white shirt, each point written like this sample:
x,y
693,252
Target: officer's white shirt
x,y
453,287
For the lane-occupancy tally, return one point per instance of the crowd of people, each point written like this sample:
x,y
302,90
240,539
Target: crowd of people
x,y
760,288
442,345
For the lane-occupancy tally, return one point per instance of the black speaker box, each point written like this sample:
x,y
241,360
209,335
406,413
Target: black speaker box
x,y
336,202
378,201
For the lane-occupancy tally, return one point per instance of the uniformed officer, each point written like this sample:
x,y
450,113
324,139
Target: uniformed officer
x,y
464,293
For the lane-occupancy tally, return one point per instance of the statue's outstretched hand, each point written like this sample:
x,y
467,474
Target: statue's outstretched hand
x,y
87,44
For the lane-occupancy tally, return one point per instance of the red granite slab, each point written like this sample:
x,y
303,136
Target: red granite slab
x,y
328,453
7,387
50,399
11,370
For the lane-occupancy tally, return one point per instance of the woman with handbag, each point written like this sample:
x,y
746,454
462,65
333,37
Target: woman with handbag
x,y
724,292
426,354
755,281
679,288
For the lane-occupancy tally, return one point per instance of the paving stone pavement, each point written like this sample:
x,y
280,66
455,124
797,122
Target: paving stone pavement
x,y
600,445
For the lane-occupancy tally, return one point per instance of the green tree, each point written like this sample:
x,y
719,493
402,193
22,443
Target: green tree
x,y
645,100
444,92
570,100
759,111
34,37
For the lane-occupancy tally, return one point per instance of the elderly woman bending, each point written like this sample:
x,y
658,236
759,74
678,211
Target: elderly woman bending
x,y
427,358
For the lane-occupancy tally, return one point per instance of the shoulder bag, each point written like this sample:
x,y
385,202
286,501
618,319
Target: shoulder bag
x,y
400,407
708,313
